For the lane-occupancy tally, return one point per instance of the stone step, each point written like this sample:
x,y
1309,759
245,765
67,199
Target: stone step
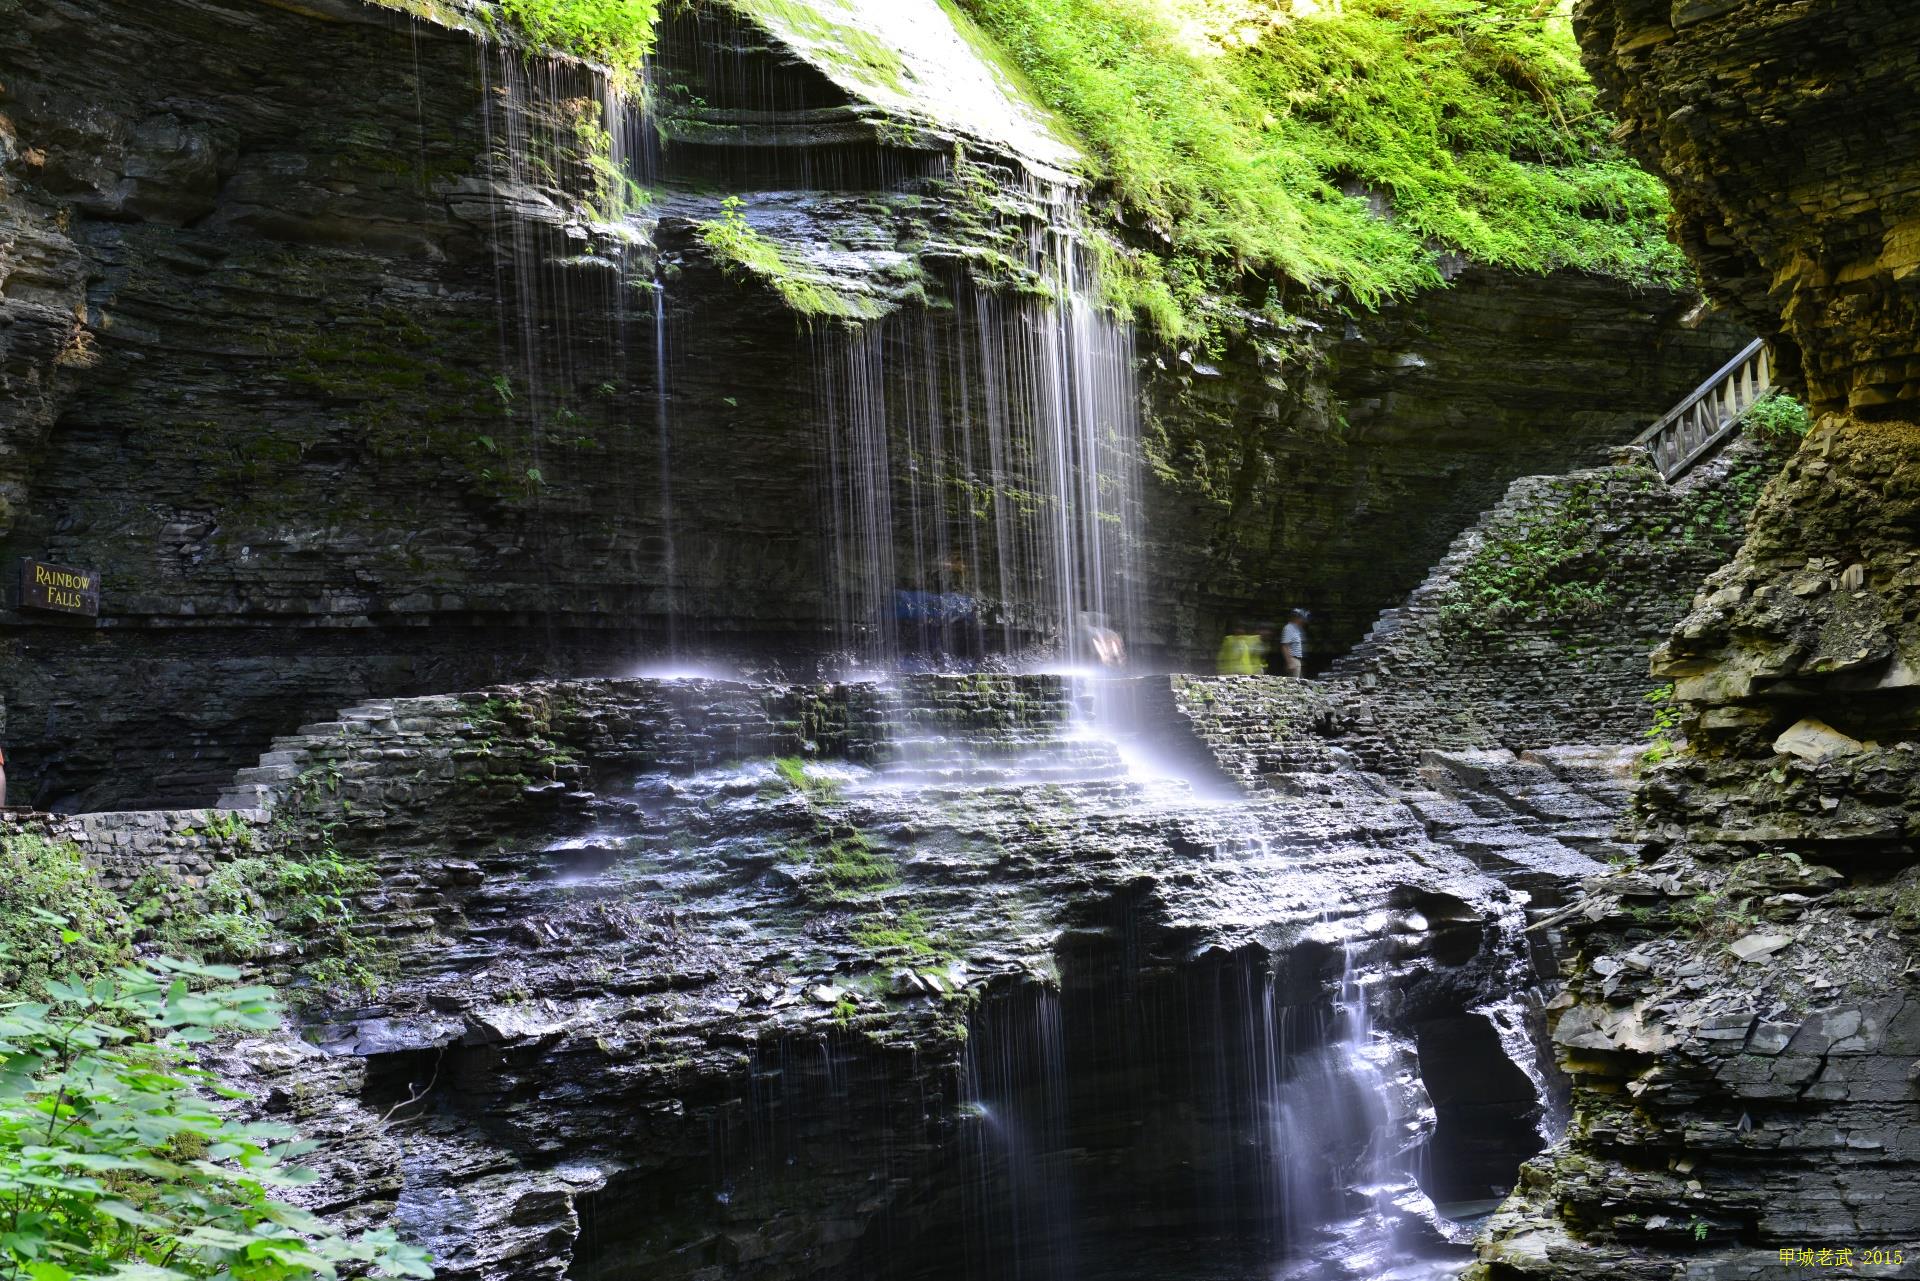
x,y
267,774
254,797
328,729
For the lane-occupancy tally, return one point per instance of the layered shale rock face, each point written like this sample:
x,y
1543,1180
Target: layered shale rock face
x,y
919,980
1741,1024
1787,135
387,359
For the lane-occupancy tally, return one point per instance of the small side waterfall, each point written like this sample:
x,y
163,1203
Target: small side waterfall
x,y
663,424
1260,1117
1362,1109
1016,1090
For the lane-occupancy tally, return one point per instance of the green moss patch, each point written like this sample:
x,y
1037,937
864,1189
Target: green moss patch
x,y
743,252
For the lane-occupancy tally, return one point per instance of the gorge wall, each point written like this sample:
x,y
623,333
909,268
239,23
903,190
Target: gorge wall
x,y
905,980
376,383
1741,1024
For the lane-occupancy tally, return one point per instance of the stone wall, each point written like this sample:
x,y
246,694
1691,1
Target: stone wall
x,y
1256,731
181,847
347,397
1533,631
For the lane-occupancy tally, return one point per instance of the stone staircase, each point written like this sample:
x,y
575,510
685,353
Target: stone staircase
x,y
281,767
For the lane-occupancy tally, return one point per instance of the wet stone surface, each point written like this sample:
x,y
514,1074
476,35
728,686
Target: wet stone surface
x,y
929,980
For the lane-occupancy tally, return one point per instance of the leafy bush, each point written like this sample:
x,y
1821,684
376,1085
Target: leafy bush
x,y
38,875
615,33
1249,134
1778,418
268,905
115,1162
1666,736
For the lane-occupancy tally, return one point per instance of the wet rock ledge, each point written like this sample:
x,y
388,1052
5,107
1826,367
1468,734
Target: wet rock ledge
x,y
691,979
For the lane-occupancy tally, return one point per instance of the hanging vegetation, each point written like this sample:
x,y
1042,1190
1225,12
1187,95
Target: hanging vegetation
x,y
1343,144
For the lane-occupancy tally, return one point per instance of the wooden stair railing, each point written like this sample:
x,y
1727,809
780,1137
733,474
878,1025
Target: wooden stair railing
x,y
1698,425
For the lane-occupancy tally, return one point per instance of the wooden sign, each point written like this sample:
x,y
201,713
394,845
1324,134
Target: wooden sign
x,y
59,589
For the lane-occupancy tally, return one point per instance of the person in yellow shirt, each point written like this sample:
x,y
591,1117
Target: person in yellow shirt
x,y
1242,652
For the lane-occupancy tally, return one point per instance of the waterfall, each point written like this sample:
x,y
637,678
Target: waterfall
x,y
979,503
570,168
976,457
979,476
663,425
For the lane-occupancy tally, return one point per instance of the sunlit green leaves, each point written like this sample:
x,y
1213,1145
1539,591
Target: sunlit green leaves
x,y
1350,148
615,33
115,1159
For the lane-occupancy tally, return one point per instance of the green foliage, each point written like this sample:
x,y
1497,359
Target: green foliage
x,y
115,1162
615,33
1906,906
1248,134
1556,560
740,250
1534,567
1667,718
614,194
1779,419
38,876
272,905
225,825
1716,915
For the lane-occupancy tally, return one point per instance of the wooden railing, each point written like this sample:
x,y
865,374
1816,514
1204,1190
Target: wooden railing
x,y
1698,425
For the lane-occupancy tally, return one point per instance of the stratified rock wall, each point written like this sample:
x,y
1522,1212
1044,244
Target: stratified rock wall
x,y
942,988
1786,130
1741,1022
326,339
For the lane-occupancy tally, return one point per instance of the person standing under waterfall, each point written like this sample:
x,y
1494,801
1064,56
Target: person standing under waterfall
x,y
1293,643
